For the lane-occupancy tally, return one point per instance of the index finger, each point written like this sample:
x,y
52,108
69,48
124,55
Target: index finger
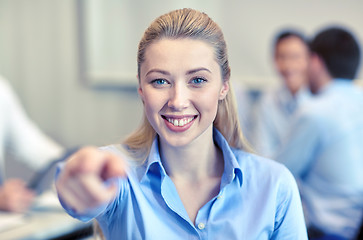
x,y
91,160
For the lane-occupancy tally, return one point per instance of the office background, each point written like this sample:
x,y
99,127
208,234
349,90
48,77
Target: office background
x,y
45,54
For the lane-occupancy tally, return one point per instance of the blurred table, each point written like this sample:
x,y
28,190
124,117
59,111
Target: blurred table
x,y
46,220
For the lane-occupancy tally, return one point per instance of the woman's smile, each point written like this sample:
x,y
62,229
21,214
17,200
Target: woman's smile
x,y
179,123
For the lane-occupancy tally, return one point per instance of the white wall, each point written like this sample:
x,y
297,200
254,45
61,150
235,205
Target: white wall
x,y
251,25
39,55
115,28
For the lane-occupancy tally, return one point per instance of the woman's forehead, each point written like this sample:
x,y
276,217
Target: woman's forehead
x,y
187,44
180,52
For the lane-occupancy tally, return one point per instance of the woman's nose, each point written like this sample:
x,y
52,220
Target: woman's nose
x,y
179,97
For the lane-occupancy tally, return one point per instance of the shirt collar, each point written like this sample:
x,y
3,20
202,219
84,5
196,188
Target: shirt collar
x,y
232,169
153,163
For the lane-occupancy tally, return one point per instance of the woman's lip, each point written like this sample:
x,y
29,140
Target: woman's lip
x,y
178,116
179,123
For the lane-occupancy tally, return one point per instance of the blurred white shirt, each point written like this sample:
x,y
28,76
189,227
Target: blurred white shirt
x,y
20,137
272,116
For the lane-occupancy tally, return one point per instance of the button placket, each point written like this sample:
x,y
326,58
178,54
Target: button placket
x,y
201,226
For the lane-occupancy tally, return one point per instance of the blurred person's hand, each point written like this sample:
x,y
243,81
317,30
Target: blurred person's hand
x,y
15,197
81,184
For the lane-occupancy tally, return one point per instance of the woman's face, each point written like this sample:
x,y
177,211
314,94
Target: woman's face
x,y
180,85
292,58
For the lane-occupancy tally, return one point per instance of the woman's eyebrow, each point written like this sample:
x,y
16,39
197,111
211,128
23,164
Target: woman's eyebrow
x,y
198,70
157,71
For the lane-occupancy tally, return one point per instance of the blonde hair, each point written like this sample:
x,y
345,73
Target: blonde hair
x,y
189,23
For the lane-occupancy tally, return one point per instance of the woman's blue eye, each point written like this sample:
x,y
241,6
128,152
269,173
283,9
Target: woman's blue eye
x,y
159,81
198,80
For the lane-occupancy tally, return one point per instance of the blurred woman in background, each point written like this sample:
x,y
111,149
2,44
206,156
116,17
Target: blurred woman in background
x,y
275,108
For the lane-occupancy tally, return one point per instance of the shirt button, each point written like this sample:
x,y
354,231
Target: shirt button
x,y
201,226
219,197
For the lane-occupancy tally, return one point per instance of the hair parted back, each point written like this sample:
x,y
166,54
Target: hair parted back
x,y
189,23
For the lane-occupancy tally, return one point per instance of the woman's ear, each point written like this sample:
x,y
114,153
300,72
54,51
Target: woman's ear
x,y
224,90
139,90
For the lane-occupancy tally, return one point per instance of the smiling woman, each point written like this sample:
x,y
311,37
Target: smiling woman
x,y
194,176
186,86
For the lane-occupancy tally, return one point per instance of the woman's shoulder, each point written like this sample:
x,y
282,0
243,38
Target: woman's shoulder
x,y
257,168
117,149
245,158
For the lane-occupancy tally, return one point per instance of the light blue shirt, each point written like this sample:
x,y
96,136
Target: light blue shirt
x,y
258,199
325,153
273,114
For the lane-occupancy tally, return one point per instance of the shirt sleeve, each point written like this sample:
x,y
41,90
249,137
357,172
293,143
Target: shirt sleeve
x,y
289,219
24,139
300,146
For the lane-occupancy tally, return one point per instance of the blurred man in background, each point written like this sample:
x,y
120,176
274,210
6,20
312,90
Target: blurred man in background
x,y
276,106
324,149
21,139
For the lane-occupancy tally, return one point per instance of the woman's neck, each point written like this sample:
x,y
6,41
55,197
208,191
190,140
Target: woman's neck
x,y
199,160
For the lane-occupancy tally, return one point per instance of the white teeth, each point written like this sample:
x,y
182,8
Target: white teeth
x,y
180,122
